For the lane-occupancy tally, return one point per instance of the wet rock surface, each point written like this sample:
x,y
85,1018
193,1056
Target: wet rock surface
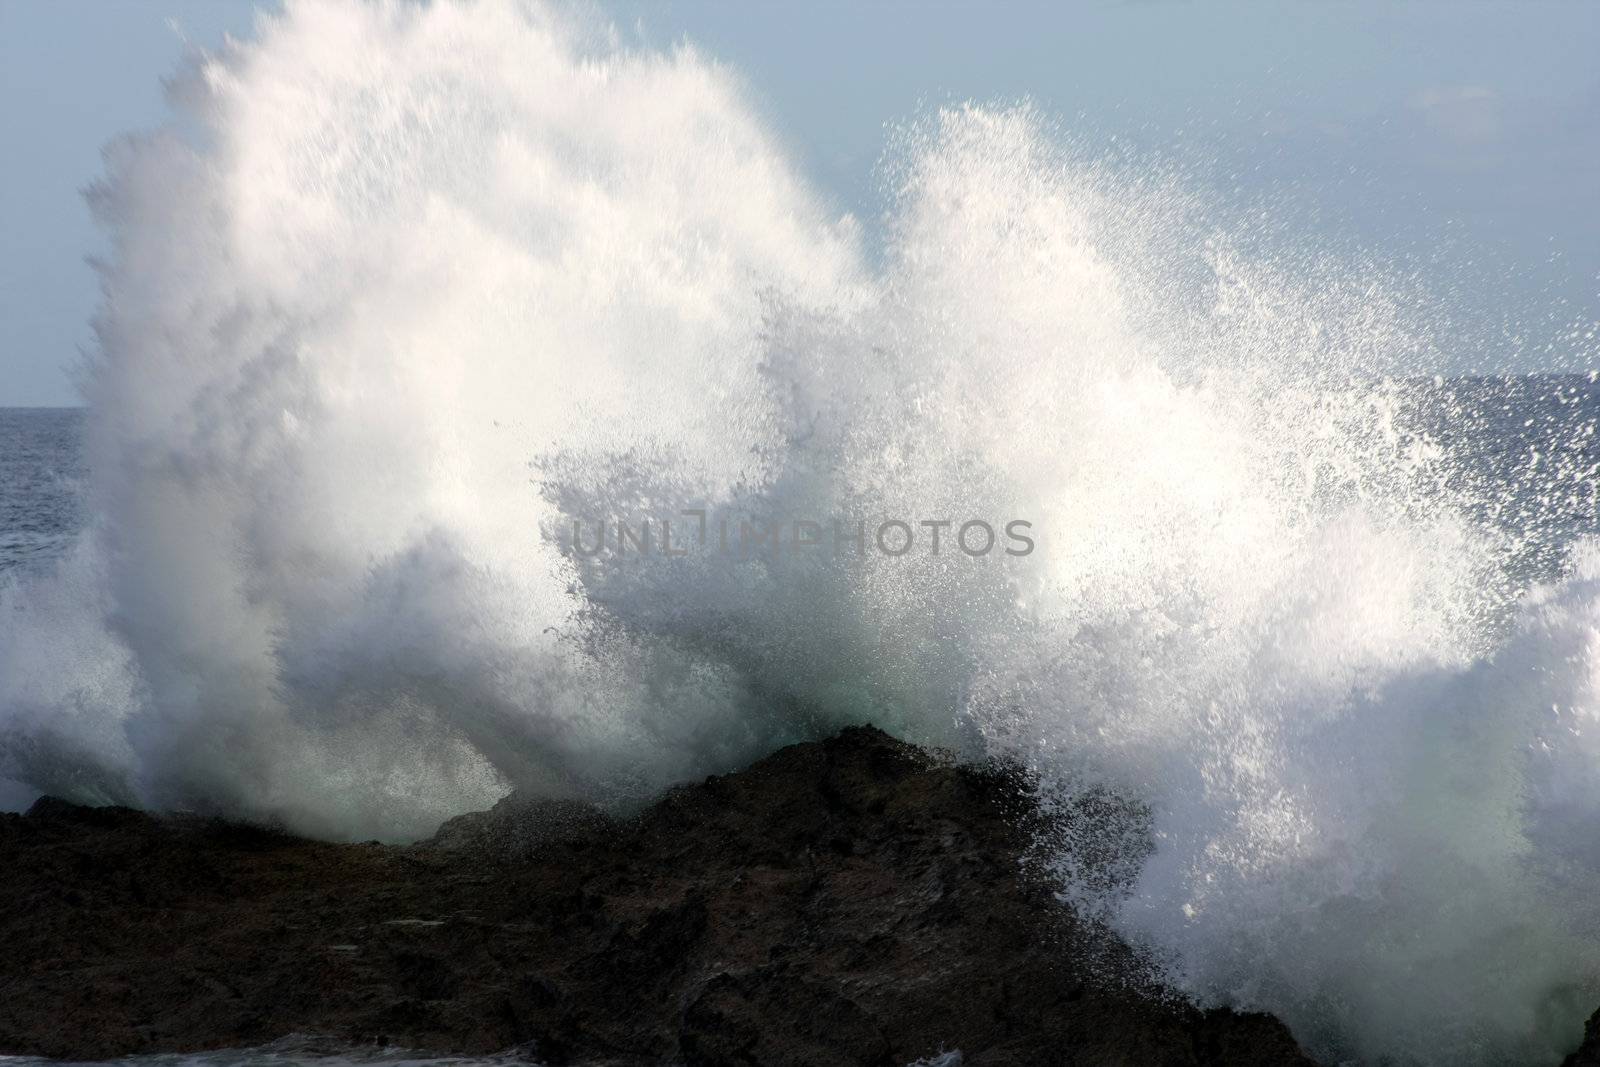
x,y
853,901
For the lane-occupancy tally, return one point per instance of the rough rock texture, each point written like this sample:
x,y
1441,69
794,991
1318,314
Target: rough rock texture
x,y
1588,1053
853,901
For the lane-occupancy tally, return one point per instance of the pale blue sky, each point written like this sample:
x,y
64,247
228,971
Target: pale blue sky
x,y
1464,135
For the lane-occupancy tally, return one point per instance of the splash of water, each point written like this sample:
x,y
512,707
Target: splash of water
x,y
407,289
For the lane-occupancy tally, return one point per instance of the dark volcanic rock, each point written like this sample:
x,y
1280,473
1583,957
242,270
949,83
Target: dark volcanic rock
x,y
1588,1053
852,901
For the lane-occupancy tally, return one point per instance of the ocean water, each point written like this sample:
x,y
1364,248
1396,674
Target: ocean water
x,y
1499,431
404,293
41,478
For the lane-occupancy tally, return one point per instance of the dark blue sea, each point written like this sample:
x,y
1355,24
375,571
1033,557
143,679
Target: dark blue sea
x,y
41,477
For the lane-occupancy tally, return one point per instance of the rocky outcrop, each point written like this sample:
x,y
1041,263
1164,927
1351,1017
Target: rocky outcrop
x,y
1588,1053
853,901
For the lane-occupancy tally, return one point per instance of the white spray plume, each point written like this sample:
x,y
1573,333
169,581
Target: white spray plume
x,y
405,289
